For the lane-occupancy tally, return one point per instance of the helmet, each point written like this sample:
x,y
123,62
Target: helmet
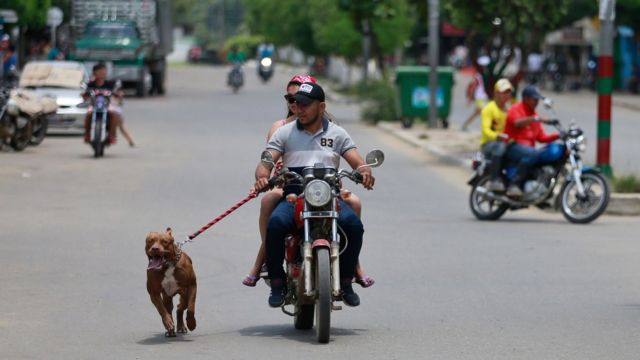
x,y
299,79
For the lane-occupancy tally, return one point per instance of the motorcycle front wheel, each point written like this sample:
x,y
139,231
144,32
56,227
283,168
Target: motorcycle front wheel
x,y
97,144
482,207
583,210
40,125
323,299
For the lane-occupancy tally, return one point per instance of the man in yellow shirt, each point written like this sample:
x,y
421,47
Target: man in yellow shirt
x,y
493,142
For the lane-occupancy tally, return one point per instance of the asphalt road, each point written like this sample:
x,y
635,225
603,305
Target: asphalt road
x,y
530,286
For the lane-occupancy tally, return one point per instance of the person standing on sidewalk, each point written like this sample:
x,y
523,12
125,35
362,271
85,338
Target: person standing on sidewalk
x,y
476,92
493,142
524,130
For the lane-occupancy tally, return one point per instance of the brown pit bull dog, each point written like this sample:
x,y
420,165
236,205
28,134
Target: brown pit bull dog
x,y
170,272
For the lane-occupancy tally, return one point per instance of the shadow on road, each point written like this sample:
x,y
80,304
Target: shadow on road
x,y
289,332
159,339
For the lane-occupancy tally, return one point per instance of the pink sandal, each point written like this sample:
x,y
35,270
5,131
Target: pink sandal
x,y
365,281
250,280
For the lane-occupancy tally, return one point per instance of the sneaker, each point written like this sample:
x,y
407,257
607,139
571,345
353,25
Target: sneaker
x,y
514,190
276,299
349,297
495,186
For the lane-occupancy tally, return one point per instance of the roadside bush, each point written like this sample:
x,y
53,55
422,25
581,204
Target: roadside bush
x,y
379,99
626,184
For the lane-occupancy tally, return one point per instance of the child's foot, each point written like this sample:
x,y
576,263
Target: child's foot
x,y
365,281
250,280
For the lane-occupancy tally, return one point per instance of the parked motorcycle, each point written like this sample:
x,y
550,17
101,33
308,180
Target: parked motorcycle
x,y
16,129
312,254
235,79
99,125
584,191
265,68
37,109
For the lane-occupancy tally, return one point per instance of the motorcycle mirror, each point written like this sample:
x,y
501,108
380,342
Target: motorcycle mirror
x,y
267,158
548,103
374,158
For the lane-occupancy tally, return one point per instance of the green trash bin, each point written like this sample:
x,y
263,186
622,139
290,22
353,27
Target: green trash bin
x,y
413,92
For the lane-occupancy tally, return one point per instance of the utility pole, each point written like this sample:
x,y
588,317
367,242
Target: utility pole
x,y
434,45
605,85
366,49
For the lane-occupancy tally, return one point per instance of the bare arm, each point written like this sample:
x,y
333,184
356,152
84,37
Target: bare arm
x,y
352,156
262,172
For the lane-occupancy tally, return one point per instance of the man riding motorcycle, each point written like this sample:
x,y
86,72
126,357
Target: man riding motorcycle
x,y
311,139
524,129
116,121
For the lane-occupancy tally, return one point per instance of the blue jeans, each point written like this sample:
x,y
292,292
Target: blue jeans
x,y
494,151
281,224
525,158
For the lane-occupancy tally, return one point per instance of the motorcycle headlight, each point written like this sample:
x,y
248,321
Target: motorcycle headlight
x,y
12,108
581,143
317,193
265,62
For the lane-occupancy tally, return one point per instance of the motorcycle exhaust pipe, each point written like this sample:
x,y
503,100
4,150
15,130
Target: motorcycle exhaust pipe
x,y
307,258
492,196
335,268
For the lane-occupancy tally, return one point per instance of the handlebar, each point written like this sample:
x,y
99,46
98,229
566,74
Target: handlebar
x,y
273,181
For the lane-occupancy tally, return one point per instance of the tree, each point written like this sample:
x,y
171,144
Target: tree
x,y
500,26
31,13
323,27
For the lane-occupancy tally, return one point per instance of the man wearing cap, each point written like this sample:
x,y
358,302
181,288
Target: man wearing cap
x,y
493,141
308,140
524,129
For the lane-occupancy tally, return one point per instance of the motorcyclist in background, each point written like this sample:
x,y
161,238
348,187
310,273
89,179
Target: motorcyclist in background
x,y
236,56
493,142
116,121
524,130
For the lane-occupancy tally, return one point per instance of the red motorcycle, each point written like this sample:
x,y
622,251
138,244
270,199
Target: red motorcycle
x,y
312,253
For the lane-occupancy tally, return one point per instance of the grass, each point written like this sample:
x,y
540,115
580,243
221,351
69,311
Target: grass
x,y
626,184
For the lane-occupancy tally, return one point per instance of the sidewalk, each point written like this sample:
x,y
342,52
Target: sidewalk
x,y
457,147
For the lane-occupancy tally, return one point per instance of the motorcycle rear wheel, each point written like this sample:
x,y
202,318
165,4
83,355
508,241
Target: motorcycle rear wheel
x,y
584,211
485,209
303,320
323,299
21,135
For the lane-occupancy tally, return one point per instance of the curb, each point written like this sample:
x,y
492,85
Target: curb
x,y
619,204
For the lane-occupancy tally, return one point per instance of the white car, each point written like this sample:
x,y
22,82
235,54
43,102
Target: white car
x,y
65,81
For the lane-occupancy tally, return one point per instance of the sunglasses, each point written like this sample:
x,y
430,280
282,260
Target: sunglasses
x,y
289,98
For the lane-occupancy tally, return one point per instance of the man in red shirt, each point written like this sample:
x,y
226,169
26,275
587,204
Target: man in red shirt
x,y
524,128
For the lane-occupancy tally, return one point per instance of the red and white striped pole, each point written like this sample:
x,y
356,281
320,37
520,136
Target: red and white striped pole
x,y
605,85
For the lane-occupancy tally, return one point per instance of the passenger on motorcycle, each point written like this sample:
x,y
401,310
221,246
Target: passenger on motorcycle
x,y
116,120
271,198
311,139
236,55
524,129
493,142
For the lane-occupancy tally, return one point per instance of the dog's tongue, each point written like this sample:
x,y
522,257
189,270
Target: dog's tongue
x,y
155,263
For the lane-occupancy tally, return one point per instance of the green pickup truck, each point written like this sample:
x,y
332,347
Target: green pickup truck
x,y
132,36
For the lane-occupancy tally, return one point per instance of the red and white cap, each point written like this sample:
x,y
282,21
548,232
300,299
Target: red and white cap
x,y
299,79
